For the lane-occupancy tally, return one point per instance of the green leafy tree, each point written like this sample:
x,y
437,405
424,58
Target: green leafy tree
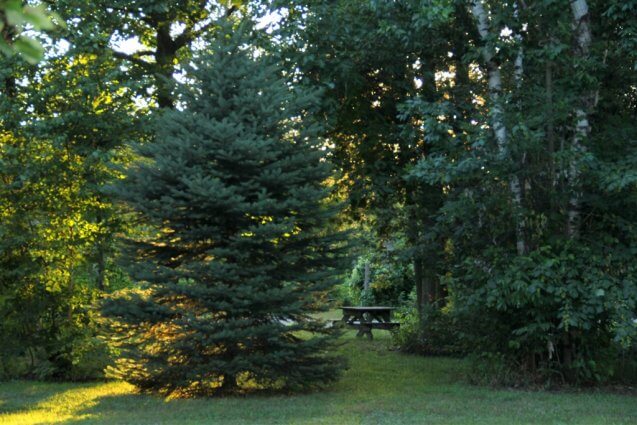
x,y
62,133
537,216
367,58
166,29
235,184
499,138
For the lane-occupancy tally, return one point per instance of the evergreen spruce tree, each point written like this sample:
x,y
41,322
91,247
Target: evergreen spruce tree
x,y
235,184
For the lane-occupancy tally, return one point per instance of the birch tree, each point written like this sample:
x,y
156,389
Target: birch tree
x,y
500,130
583,38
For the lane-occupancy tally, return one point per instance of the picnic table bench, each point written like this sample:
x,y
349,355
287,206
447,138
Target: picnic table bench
x,y
367,318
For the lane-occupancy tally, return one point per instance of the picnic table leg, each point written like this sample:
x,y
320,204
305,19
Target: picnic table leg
x,y
362,329
365,329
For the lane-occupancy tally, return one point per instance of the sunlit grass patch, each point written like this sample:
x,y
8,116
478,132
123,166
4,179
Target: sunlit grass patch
x,y
25,403
381,386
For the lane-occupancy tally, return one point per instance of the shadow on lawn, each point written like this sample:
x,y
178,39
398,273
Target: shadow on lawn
x,y
378,379
147,409
14,397
13,400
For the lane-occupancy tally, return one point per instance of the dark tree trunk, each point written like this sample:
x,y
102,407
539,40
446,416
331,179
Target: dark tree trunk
x,y
428,288
420,293
165,57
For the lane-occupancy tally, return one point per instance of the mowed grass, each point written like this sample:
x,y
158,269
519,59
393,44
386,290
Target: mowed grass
x,y
380,387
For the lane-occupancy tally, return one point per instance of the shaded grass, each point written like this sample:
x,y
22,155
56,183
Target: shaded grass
x,y
381,387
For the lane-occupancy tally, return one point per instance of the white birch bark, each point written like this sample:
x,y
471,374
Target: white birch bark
x,y
518,73
497,113
518,66
583,36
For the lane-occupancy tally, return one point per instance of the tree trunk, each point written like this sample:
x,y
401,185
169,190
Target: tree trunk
x,y
583,37
550,126
165,56
420,305
519,190
8,34
429,287
497,118
367,276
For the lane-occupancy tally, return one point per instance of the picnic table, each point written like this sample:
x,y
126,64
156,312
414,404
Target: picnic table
x,y
367,318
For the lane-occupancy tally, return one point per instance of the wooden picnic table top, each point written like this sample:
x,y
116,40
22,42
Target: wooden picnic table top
x,y
374,308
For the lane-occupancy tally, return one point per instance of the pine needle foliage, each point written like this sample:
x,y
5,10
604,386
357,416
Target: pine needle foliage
x,y
235,185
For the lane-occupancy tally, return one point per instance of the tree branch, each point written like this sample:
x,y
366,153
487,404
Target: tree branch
x,y
135,58
189,34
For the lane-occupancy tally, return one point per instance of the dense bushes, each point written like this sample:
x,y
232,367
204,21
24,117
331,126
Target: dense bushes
x,y
52,335
437,333
555,315
550,317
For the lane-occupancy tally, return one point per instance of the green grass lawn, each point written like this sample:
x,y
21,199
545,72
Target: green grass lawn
x,y
381,387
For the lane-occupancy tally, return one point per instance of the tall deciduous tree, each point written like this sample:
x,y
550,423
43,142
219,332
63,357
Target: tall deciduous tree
x,y
369,62
166,30
496,92
64,126
521,122
563,302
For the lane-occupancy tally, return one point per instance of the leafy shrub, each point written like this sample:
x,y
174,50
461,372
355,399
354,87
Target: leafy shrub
x,y
495,369
554,316
52,334
437,334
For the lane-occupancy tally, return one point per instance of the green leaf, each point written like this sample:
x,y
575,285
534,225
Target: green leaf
x,y
14,17
30,49
13,5
38,17
5,48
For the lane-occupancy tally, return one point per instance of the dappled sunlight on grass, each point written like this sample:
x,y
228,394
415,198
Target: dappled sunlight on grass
x,y
41,404
381,386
